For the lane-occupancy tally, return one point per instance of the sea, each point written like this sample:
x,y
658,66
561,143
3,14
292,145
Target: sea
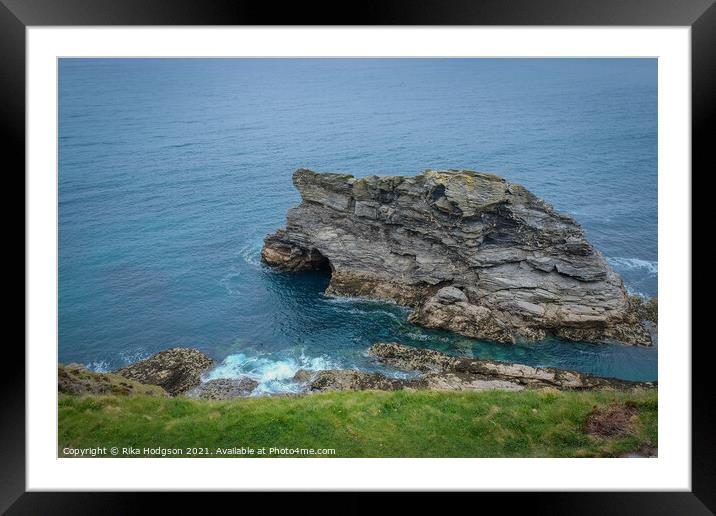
x,y
172,171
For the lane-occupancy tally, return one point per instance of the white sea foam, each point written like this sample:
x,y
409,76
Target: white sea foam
x,y
633,292
634,263
103,366
227,281
330,298
273,373
385,313
134,356
368,306
251,254
99,366
419,336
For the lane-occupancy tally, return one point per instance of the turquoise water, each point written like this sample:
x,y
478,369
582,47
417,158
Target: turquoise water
x,y
172,171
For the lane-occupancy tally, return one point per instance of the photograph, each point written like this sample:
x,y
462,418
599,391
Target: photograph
x,y
432,247
357,257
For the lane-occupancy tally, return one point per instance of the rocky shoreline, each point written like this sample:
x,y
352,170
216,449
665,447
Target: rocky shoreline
x,y
440,371
469,252
178,372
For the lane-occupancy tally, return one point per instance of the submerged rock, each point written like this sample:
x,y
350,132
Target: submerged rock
x,y
176,370
224,388
470,252
464,370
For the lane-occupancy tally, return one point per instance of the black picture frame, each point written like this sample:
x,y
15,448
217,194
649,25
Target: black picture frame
x,y
17,15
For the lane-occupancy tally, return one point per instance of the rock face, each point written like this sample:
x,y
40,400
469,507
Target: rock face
x,y
470,252
462,370
176,370
223,388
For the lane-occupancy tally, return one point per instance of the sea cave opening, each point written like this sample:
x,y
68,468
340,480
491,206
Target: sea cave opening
x,y
320,262
319,269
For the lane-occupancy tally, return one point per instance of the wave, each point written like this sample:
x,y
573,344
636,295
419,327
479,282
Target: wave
x,y
365,301
181,145
251,254
367,307
227,281
424,337
332,298
135,356
273,373
651,267
632,291
125,358
99,366
374,313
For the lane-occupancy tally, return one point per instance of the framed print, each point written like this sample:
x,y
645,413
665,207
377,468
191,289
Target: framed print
x,y
435,248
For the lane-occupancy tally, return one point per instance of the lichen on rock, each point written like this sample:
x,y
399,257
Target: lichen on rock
x,y
223,388
468,251
353,380
176,370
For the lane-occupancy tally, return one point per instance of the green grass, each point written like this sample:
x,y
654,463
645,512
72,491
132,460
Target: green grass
x,y
362,424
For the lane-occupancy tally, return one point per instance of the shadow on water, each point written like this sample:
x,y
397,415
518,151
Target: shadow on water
x,y
297,285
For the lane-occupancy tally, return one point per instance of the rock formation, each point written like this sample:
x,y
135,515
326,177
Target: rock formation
x,y
176,370
439,371
464,369
77,379
468,251
223,388
353,380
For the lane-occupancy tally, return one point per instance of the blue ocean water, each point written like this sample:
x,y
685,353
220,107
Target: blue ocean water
x,y
171,172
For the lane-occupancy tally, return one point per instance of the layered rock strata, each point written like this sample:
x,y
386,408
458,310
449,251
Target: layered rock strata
x,y
176,370
468,251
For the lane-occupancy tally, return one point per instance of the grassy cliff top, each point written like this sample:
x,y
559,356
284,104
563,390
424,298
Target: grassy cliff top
x,y
541,423
77,379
